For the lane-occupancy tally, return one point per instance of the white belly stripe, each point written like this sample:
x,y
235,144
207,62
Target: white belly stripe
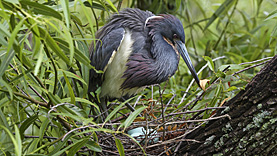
x,y
115,70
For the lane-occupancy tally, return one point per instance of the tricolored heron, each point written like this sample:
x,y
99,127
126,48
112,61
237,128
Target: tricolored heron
x,y
136,49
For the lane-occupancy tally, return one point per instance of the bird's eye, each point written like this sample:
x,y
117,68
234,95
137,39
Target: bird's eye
x,y
175,36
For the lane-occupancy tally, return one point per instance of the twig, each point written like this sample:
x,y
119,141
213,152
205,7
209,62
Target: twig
x,y
27,98
75,129
188,121
169,103
267,58
200,110
47,137
54,107
120,118
60,118
114,153
137,101
22,91
32,88
250,67
142,123
163,143
181,136
167,150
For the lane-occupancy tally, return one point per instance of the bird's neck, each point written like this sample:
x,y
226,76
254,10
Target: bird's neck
x,y
165,55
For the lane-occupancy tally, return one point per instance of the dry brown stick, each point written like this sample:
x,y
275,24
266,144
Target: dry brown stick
x,y
188,121
187,112
163,143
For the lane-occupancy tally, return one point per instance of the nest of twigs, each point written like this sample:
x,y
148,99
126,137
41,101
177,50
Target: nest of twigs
x,y
166,130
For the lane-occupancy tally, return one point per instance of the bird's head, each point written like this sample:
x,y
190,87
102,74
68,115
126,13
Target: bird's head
x,y
172,31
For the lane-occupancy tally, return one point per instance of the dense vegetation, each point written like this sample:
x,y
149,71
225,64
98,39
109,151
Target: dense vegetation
x,y
44,71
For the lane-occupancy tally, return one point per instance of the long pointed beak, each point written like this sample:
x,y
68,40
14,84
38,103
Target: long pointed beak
x,y
181,47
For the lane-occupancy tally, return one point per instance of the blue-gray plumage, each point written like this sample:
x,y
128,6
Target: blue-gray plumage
x,y
136,49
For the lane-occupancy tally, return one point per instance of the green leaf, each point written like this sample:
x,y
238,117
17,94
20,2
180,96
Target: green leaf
x,y
13,1
10,52
71,111
116,110
232,66
88,17
221,10
132,117
40,9
29,121
71,92
55,99
6,61
231,88
216,95
210,62
67,36
4,31
273,14
66,12
74,149
2,82
191,96
3,119
247,35
78,55
94,146
16,140
94,5
237,57
178,4
53,45
3,13
33,146
43,128
220,74
20,76
120,147
39,61
136,142
113,112
112,6
58,153
77,99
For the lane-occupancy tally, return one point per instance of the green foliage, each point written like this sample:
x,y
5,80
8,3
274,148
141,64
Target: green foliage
x,y
44,69
119,147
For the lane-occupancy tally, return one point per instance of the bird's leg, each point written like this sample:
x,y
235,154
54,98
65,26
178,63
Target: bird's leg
x,y
163,118
103,109
96,112
129,106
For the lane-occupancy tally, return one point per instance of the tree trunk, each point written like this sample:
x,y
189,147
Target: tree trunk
x,y
252,128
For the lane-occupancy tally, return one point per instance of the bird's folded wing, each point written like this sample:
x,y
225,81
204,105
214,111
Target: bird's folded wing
x,y
101,55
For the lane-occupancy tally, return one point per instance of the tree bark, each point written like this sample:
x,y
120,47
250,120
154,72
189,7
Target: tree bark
x,y
252,128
